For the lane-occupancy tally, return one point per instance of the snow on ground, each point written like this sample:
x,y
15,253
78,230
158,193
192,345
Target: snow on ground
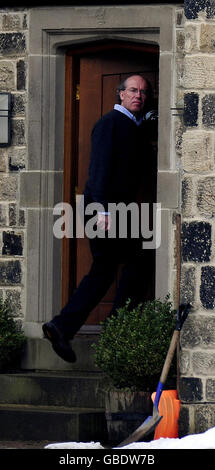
x,y
205,440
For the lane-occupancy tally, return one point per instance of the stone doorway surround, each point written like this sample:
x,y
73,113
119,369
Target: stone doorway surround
x,y
51,31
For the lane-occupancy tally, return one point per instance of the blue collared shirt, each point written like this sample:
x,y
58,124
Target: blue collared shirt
x,y
125,111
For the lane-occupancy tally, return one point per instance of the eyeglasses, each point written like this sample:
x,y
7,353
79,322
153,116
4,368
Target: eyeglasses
x,y
134,91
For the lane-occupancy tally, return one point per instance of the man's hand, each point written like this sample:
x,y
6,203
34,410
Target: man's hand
x,y
104,221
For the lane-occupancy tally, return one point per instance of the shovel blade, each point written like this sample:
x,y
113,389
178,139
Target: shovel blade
x,y
145,428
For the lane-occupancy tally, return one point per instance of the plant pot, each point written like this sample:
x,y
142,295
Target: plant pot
x,y
125,411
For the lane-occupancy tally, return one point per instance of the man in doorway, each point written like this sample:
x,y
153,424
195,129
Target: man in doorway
x,y
121,164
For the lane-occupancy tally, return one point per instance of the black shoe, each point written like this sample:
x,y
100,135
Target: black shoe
x,y
60,344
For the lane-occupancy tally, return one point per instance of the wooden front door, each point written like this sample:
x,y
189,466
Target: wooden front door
x,y
92,78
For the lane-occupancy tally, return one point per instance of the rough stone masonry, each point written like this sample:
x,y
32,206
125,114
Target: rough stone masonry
x,y
197,83
13,63
195,150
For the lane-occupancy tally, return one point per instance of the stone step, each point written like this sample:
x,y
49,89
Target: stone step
x,y
57,424
39,355
53,389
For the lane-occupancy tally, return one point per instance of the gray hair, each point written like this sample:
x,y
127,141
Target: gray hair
x,y
121,87
123,84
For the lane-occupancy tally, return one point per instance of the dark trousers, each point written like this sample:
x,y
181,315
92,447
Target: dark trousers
x,y
135,282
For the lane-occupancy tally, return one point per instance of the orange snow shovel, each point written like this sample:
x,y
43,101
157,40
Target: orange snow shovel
x,y
169,408
152,421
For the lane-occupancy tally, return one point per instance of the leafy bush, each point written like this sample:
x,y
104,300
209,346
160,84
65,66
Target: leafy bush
x,y
132,346
12,338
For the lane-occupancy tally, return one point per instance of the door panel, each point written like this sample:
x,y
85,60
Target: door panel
x,y
100,73
109,85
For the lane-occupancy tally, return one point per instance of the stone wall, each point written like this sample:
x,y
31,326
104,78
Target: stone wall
x,y
193,146
13,69
196,156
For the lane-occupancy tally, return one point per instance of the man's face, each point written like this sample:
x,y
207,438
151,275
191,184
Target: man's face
x,y
135,94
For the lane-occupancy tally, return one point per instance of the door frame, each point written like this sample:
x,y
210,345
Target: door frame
x,y
72,69
51,31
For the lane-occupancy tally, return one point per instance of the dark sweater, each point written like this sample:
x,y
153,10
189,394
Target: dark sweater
x,y
121,158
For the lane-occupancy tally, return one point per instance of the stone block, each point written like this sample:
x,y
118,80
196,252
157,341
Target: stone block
x,y
184,360
197,151
3,215
190,390
25,21
16,216
10,273
12,215
204,417
120,17
191,109
187,197
188,284
198,332
168,189
165,117
210,390
8,187
162,264
35,424
180,41
184,421
210,9
208,110
204,363
7,76
39,389
180,17
178,136
14,300
207,37
3,161
11,22
12,44
207,288
196,241
21,75
191,35
12,244
196,418
179,72
206,197
199,71
18,132
33,188
18,105
30,184
39,355
17,158
192,8
21,221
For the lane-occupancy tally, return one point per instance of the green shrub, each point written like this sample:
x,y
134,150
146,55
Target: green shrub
x,y
12,338
132,346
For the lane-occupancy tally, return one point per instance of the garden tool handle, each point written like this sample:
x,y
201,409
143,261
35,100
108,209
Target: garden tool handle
x,y
182,314
166,366
169,356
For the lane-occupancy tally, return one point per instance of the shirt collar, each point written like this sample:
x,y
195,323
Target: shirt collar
x,y
125,111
